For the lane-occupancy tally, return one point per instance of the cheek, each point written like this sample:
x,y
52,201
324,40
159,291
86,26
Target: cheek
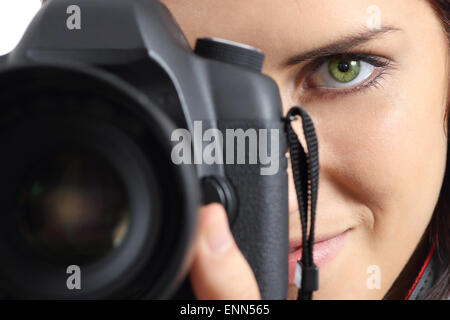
x,y
386,150
361,150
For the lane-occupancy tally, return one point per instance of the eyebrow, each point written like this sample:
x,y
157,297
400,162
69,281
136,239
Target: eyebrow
x,y
341,45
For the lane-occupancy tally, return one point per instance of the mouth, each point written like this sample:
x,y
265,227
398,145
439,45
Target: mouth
x,y
326,247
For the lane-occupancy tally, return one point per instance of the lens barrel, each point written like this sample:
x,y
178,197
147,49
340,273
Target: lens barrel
x,y
86,180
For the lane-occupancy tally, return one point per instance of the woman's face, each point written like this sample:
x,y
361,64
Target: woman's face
x,y
379,115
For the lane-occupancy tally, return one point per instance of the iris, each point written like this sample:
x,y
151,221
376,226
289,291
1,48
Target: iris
x,y
344,70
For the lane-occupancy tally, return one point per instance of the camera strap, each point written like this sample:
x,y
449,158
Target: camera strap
x,y
305,169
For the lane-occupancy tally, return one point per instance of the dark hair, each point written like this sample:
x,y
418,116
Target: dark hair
x,y
439,229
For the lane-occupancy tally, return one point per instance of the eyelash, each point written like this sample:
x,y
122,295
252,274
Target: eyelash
x,y
381,63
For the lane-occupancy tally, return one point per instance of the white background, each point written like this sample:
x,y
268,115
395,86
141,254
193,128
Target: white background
x,y
15,15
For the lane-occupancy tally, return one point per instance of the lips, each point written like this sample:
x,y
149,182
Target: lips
x,y
325,249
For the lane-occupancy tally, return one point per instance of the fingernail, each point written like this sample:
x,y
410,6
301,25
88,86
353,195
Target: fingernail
x,y
218,235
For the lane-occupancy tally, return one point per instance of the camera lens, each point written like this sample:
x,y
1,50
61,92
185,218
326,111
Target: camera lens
x,y
87,180
74,207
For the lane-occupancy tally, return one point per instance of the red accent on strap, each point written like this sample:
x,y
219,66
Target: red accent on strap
x,y
425,264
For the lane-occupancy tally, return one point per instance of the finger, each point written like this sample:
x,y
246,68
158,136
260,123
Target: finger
x,y
292,292
219,270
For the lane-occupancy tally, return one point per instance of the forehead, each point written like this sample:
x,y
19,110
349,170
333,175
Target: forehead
x,y
270,24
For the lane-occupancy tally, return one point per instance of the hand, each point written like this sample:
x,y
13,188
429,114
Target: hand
x,y
219,270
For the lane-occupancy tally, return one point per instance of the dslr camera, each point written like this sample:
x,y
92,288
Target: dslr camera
x,y
98,197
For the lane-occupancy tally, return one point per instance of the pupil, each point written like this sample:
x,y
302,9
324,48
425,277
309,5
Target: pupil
x,y
344,66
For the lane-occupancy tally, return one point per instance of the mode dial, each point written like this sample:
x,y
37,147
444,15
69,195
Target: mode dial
x,y
230,52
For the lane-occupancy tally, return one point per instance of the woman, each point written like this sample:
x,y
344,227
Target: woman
x,y
374,76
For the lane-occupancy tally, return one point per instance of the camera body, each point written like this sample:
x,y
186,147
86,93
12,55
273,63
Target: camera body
x,y
134,53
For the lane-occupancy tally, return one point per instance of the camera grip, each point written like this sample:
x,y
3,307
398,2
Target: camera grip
x,y
261,228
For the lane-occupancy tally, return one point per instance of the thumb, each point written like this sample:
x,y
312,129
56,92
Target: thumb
x,y
220,271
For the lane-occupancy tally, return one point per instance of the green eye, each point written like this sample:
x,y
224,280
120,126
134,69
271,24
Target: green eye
x,y
344,70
